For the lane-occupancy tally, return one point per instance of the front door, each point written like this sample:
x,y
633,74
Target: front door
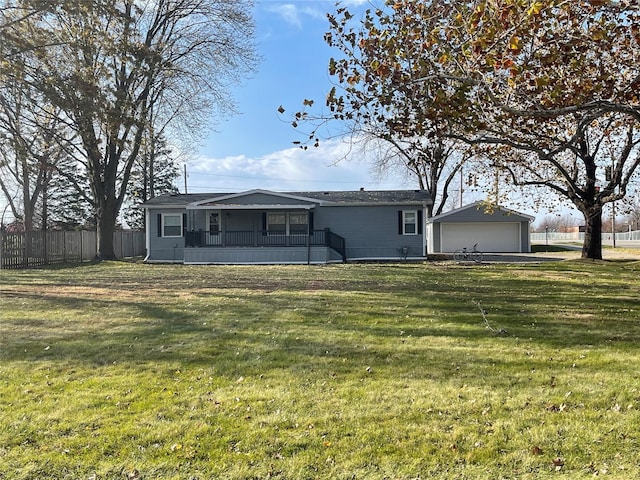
x,y
213,234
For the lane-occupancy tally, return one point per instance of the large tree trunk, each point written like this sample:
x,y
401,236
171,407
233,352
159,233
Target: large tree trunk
x,y
106,226
592,246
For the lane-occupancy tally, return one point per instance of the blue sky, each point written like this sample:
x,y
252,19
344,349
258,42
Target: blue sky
x,y
254,149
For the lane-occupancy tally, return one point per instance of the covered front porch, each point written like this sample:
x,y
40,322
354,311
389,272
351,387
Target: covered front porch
x,y
250,235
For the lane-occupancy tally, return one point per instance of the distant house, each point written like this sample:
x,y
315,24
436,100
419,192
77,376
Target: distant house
x,y
496,229
266,227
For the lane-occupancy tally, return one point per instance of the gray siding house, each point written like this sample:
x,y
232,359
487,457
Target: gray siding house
x,y
266,227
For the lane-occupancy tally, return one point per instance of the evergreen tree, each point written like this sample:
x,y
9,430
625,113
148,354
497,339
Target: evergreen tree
x,y
154,173
65,207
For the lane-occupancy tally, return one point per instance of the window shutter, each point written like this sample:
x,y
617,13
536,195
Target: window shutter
x,y
420,221
311,222
159,225
400,230
184,224
264,223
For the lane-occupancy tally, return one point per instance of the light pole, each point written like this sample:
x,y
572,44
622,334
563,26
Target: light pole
x,y
546,235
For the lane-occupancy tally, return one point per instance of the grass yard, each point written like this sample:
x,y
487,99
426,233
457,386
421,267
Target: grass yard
x,y
371,371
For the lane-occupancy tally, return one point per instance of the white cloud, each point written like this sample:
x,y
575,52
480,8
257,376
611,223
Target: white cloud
x,y
292,169
294,14
289,13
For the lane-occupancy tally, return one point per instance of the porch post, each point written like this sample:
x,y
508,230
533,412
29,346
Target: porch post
x,y
257,232
223,229
308,238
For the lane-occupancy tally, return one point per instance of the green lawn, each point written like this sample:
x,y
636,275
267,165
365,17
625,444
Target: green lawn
x,y
369,371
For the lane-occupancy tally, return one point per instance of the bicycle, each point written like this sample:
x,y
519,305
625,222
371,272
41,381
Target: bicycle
x,y
464,254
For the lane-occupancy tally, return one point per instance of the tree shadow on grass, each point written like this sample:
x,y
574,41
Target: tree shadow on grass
x,y
312,318
247,339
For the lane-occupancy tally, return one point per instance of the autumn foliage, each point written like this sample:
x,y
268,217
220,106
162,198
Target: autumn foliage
x,y
547,89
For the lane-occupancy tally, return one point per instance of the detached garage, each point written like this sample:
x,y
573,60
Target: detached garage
x,y
497,230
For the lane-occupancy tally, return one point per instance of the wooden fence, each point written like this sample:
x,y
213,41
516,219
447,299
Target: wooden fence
x,y
36,249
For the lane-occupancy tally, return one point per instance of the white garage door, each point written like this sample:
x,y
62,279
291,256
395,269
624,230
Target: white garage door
x,y
490,237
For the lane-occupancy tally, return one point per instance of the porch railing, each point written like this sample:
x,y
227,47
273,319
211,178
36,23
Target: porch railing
x,y
266,238
338,244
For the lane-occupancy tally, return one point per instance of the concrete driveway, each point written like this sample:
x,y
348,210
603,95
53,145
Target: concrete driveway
x,y
572,252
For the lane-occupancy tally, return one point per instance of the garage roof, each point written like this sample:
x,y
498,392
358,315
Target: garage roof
x,y
481,211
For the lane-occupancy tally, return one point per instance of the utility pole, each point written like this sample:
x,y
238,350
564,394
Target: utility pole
x,y
185,179
613,203
609,173
613,223
461,185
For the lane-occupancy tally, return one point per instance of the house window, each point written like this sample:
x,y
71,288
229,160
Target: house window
x,y
277,223
298,223
409,222
172,225
214,223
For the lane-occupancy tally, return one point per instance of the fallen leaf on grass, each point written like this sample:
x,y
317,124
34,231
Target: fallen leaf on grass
x,y
556,408
536,450
558,463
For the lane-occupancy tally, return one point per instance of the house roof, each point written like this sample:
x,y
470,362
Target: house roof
x,y
336,198
483,208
